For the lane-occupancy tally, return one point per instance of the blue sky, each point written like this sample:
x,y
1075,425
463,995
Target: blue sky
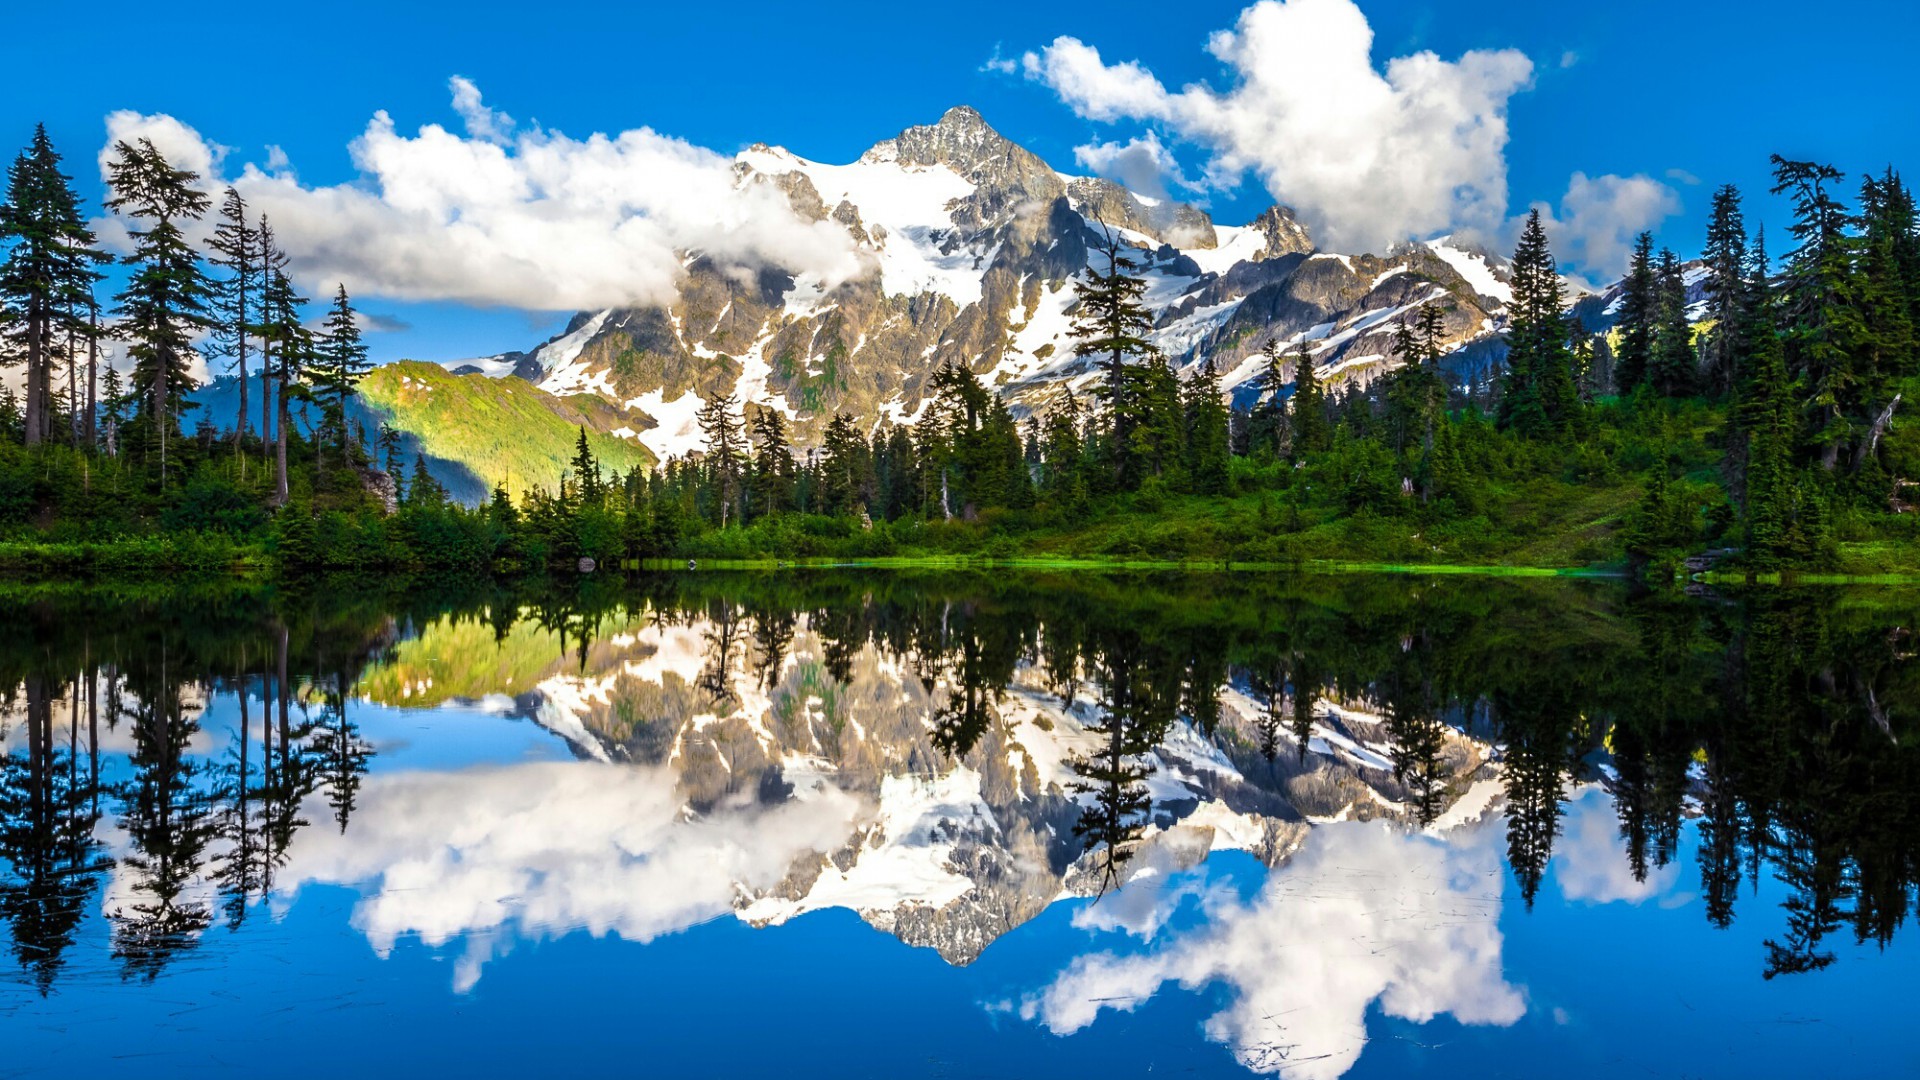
x,y
1666,91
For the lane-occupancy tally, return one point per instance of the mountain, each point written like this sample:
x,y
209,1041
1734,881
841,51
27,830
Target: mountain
x,y
474,432
959,844
971,244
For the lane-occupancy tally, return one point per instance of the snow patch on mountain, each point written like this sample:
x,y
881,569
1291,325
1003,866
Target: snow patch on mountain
x,y
1474,269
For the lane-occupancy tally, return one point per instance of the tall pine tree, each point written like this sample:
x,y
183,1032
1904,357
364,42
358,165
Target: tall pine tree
x,y
1639,307
1538,398
236,251
164,304
1111,323
1724,347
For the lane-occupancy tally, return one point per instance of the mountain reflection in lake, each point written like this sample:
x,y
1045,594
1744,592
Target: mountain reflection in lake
x,y
1318,827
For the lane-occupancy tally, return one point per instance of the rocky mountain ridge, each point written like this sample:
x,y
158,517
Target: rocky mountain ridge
x,y
971,244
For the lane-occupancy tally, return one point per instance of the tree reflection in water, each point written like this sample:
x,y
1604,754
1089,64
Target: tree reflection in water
x,y
1782,722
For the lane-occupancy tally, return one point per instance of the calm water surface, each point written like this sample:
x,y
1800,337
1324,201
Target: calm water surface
x,y
847,825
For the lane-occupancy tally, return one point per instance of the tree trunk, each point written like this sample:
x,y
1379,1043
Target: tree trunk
x,y
266,393
36,374
280,440
1874,433
93,371
240,426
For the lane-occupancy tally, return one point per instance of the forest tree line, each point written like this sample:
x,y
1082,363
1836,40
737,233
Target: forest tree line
x,y
1759,418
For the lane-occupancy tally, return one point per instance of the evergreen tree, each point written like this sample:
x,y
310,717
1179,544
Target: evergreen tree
x,y
1207,435
773,465
1063,453
844,468
164,304
1112,323
1160,436
423,491
585,469
1675,366
1307,419
389,443
726,456
1269,436
1538,398
1819,311
1723,347
340,361
272,262
48,274
236,251
1639,310
284,337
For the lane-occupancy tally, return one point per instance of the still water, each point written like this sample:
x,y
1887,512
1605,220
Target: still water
x,y
866,825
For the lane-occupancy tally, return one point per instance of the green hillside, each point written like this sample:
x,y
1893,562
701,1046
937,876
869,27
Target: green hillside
x,y
501,429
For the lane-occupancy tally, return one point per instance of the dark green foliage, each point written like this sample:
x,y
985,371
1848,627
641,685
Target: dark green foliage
x,y
1111,323
164,304
1639,313
1673,369
1538,398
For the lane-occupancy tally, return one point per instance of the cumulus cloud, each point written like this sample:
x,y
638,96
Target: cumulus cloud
x,y
1143,164
503,216
1599,216
1364,913
534,850
1366,157
482,122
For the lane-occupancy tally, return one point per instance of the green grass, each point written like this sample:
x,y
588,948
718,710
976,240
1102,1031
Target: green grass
x,y
503,430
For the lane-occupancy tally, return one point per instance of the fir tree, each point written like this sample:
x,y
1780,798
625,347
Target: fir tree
x,y
1268,434
164,304
844,467
236,250
773,466
340,360
423,491
285,337
1819,313
1639,309
726,456
1723,347
585,469
1207,436
1307,418
1674,368
1112,323
48,273
1063,453
272,262
1538,399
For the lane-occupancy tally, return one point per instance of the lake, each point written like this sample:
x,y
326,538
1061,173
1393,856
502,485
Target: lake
x,y
983,824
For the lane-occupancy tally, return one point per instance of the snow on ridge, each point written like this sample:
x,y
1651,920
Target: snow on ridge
x,y
1475,269
557,358
493,367
677,426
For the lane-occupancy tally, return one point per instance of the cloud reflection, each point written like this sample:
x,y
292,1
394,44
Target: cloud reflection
x,y
541,850
1364,912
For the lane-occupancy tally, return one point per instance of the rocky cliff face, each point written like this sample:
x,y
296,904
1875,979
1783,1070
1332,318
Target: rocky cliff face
x,y
972,244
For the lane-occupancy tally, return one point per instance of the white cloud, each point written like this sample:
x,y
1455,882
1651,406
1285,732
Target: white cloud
x,y
1367,158
539,850
528,219
1363,913
1600,215
482,122
1143,164
1590,861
